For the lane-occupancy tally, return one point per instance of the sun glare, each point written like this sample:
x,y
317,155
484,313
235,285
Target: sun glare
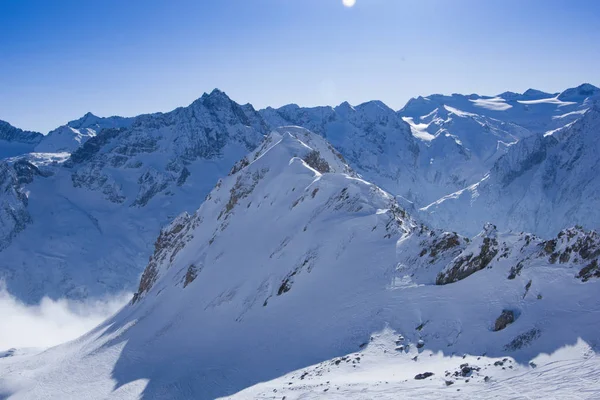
x,y
349,3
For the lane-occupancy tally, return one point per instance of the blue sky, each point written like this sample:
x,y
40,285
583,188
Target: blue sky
x,y
62,58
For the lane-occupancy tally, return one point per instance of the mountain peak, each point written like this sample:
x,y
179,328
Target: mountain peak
x,y
374,103
216,98
580,92
215,93
87,119
534,94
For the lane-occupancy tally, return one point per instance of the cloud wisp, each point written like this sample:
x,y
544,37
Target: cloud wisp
x,y
51,322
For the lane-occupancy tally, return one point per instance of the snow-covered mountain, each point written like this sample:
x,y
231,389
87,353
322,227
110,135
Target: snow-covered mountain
x,y
15,141
93,218
71,136
94,213
543,184
295,271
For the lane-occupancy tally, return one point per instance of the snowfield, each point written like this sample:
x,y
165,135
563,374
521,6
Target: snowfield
x,y
297,279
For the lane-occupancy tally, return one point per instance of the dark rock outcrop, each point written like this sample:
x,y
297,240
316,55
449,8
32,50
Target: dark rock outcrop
x,y
424,375
506,318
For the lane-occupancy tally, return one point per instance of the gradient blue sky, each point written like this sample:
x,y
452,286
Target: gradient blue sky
x,y
62,58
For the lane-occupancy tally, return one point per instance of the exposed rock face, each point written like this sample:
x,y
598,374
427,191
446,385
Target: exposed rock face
x,y
26,171
506,318
190,275
523,339
470,263
11,134
170,241
424,375
453,258
315,161
14,216
589,271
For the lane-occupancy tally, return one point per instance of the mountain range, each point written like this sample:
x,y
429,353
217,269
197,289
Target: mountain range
x,y
93,194
296,278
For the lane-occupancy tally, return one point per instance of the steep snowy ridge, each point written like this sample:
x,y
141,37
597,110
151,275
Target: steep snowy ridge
x,y
285,153
542,184
71,136
294,268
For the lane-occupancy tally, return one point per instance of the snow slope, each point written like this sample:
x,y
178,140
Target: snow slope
x,y
296,272
543,184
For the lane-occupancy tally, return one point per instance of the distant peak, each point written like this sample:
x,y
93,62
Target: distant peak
x,y
375,104
577,93
345,107
535,94
87,119
215,93
214,98
587,87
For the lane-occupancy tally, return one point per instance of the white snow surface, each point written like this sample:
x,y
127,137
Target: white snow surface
x,y
292,282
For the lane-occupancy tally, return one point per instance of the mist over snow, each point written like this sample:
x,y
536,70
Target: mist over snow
x,y
51,322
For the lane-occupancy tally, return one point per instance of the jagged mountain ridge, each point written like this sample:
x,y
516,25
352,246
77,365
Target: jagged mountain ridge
x,y
15,141
94,216
342,279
